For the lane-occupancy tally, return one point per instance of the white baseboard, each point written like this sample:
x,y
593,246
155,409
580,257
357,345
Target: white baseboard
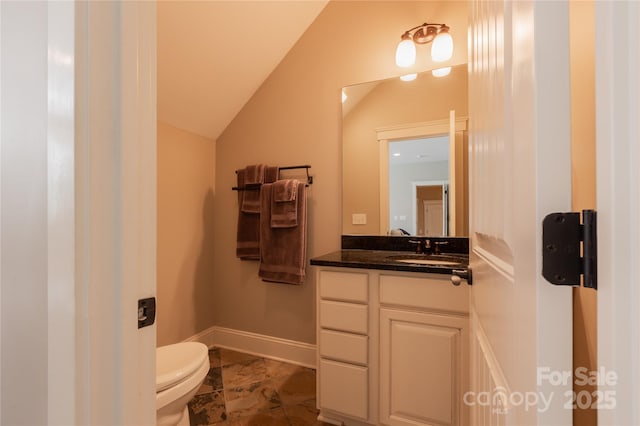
x,y
276,348
206,337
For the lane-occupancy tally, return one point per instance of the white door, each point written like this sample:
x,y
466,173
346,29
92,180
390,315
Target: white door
x,y
618,203
115,160
78,211
519,147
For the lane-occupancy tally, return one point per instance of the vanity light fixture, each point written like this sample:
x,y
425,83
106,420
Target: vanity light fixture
x,y
441,50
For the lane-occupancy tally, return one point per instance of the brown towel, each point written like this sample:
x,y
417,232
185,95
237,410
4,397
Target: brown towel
x,y
283,250
253,174
248,234
284,206
285,190
271,174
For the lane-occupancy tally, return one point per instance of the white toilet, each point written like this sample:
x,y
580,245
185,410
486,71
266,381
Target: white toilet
x,y
180,371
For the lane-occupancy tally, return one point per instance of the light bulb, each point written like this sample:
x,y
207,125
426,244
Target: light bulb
x,y
406,53
441,72
344,96
442,49
408,77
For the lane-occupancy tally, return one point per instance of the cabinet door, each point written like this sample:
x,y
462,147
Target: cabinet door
x,y
422,365
344,388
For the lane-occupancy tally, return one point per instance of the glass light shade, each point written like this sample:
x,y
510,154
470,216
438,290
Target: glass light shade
x,y
409,77
441,72
406,53
442,49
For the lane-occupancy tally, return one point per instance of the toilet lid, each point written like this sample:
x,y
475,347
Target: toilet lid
x,y
176,362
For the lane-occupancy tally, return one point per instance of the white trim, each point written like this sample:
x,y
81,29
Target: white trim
x,y
115,210
330,421
423,128
61,284
206,337
138,159
452,207
503,268
618,201
489,357
290,351
1,140
383,170
487,377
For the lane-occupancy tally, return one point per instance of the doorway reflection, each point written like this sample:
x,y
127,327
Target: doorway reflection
x,y
418,185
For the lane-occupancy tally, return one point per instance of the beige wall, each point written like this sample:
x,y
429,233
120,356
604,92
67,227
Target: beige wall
x,y
294,118
582,28
393,102
186,164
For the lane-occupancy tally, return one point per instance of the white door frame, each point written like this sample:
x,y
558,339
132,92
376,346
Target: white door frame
x,y
36,230
618,204
116,209
79,103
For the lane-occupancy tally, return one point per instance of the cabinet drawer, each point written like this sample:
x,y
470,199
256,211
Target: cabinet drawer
x,y
344,388
429,293
343,346
347,286
343,316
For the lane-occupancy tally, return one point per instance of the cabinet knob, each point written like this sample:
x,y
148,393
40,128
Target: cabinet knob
x,y
457,275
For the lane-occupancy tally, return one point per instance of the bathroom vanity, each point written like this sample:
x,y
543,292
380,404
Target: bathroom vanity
x,y
392,339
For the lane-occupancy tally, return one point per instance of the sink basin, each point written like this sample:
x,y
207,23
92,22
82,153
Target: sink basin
x,y
425,259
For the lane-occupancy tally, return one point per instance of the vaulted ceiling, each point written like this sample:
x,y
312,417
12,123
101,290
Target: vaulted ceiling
x,y
213,55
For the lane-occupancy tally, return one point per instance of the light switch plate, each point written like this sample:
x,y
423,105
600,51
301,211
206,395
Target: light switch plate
x,y
359,219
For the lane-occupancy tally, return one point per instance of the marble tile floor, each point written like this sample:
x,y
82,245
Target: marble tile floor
x,y
243,390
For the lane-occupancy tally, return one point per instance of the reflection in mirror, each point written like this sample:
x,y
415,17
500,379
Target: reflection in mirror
x,y
419,186
423,190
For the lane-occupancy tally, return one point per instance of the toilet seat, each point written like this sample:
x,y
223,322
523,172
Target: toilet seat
x,y
175,363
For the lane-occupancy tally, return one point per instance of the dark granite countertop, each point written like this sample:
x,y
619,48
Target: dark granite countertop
x,y
388,260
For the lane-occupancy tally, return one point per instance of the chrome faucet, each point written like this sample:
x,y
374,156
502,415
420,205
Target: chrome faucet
x,y
437,244
422,246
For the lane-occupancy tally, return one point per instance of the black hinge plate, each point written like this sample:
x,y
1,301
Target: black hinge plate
x,y
564,259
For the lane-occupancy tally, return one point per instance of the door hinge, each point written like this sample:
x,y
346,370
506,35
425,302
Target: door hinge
x,y
570,249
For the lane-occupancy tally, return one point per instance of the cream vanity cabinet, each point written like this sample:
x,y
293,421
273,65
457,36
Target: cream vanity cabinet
x,y
343,344
392,347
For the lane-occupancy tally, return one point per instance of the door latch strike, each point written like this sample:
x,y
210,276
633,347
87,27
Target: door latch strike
x,y
146,312
569,249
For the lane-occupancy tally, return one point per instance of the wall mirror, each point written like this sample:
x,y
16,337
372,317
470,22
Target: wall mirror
x,y
404,157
